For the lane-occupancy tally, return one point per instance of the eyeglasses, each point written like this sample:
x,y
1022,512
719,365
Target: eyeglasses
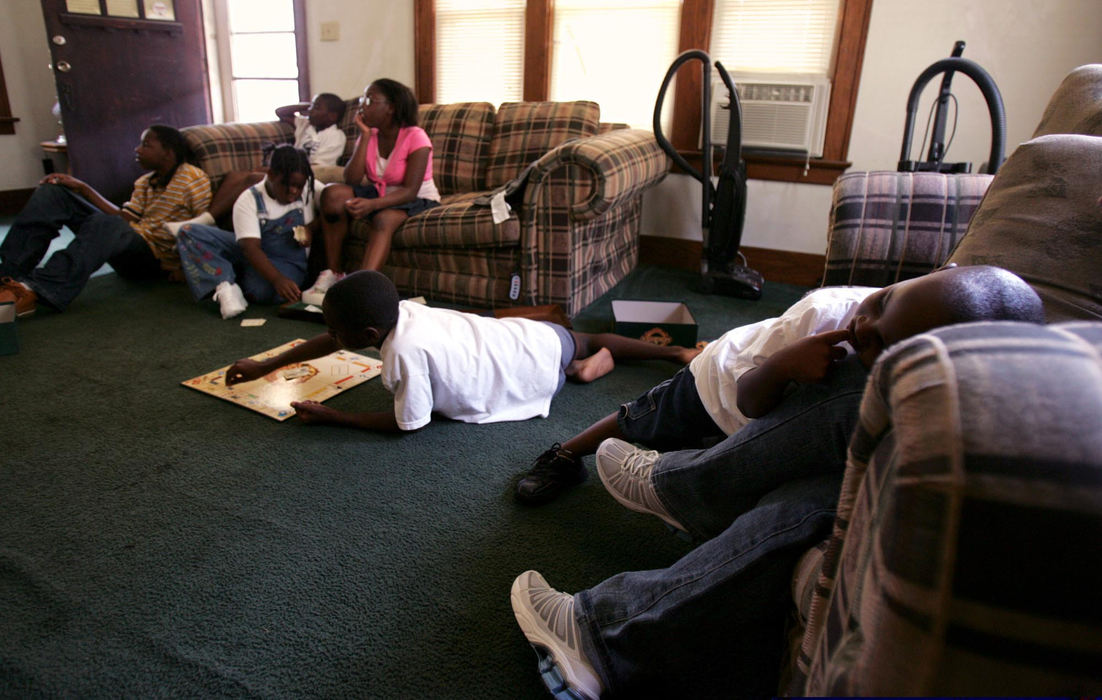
x,y
368,101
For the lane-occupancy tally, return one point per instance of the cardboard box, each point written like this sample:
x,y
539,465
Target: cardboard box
x,y
9,341
658,322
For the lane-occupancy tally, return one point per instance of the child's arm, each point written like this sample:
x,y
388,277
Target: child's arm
x,y
807,360
312,412
286,113
256,257
416,165
247,369
88,192
355,169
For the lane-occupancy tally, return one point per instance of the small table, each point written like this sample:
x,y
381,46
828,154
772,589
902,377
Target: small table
x,y
51,147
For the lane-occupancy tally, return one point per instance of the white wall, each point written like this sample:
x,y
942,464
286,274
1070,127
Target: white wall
x,y
376,41
26,60
1027,46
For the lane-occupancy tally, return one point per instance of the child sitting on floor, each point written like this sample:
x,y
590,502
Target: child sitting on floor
x,y
264,247
705,402
460,365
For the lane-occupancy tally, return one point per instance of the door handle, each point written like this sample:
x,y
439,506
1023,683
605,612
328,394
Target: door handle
x,y
64,66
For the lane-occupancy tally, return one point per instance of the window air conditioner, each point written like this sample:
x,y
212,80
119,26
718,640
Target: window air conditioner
x,y
779,112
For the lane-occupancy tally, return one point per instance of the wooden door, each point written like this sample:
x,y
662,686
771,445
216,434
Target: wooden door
x,y
121,65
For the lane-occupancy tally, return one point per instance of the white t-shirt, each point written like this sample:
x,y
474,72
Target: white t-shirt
x,y
246,223
717,369
324,147
469,368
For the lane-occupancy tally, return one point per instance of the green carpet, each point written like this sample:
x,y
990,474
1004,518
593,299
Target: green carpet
x,y
157,541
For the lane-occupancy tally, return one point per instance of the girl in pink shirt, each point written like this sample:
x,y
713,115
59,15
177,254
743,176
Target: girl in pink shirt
x,y
387,180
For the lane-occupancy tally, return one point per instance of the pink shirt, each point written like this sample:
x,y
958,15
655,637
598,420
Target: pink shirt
x,y
410,139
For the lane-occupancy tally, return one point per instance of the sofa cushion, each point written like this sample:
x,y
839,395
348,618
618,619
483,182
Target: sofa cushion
x,y
222,148
1076,106
1041,219
459,222
460,136
887,226
525,131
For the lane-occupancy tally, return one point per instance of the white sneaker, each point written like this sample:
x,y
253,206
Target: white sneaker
x,y
546,617
316,295
625,470
173,227
230,299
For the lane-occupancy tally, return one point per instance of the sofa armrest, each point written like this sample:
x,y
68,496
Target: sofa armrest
x,y
955,566
607,169
223,148
887,226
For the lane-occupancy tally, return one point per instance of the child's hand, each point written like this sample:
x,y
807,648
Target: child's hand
x,y
314,413
809,359
358,207
286,288
244,370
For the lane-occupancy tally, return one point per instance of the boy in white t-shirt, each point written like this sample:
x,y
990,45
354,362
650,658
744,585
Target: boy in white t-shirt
x,y
463,366
316,127
701,404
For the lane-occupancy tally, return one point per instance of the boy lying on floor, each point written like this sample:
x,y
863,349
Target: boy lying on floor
x,y
462,366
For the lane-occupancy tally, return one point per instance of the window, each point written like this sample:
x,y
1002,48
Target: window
x,y
588,61
548,29
261,56
775,36
479,51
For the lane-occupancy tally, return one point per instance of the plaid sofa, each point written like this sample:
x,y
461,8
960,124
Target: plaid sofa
x,y
959,562
572,184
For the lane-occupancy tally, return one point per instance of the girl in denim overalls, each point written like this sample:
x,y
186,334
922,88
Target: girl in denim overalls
x,y
263,254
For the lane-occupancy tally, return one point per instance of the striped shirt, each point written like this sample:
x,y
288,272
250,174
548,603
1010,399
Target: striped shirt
x,y
185,197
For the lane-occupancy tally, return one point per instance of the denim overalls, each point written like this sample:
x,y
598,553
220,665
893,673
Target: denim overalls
x,y
210,255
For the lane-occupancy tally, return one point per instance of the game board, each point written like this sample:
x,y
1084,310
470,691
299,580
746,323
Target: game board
x,y
273,393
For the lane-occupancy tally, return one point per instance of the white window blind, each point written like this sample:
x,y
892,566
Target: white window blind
x,y
775,36
615,52
479,51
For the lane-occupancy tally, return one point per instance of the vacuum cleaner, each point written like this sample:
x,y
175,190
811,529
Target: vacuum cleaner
x,y
723,208
935,158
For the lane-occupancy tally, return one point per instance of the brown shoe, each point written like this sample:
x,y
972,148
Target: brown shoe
x,y
24,298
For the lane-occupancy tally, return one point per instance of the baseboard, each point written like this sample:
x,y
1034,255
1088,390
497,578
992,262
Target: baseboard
x,y
804,269
13,201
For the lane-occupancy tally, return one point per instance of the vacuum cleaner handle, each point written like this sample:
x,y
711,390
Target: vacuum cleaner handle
x,y
990,93
706,157
937,141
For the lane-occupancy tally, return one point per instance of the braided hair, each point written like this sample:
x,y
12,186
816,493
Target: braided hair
x,y
285,160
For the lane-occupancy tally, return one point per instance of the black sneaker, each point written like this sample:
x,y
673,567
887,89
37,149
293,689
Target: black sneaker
x,y
554,471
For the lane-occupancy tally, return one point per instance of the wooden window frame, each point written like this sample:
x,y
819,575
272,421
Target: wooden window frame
x,y
225,71
695,33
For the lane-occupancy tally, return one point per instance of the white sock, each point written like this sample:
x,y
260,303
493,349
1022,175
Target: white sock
x,y
173,227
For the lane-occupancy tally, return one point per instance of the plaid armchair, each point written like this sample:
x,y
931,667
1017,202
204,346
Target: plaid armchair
x,y
959,562
573,185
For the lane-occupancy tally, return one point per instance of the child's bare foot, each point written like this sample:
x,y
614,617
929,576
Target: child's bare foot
x,y
593,367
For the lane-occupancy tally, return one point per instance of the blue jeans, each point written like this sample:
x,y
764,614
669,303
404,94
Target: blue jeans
x,y
210,256
669,416
713,623
807,435
98,238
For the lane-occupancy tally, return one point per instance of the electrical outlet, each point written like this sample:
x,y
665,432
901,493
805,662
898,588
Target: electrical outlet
x,y
330,31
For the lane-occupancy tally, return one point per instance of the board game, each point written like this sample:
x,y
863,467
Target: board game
x,y
272,394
